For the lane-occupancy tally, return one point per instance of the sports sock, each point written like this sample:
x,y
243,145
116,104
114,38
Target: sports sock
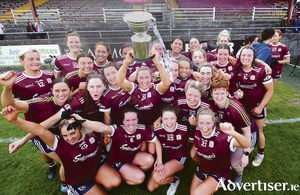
x,y
51,163
261,151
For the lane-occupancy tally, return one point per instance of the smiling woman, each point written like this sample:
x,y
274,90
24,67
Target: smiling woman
x,y
66,63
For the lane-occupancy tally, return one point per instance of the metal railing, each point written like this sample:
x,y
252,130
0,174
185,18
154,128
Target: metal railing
x,y
268,13
183,14
23,16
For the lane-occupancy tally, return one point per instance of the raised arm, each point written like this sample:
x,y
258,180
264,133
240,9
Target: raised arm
x,y
7,79
11,115
95,125
165,82
240,140
121,81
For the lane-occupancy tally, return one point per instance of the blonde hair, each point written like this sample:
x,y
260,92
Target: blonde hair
x,y
224,33
25,51
208,111
196,85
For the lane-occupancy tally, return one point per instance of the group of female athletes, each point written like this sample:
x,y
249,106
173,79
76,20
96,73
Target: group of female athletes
x,y
105,122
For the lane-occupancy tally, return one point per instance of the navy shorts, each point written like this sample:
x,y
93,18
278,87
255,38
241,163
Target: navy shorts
x,y
84,188
182,160
38,142
262,115
203,176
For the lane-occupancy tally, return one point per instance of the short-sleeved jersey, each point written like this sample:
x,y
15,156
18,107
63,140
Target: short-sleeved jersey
x,y
231,70
115,101
78,103
125,145
131,68
186,110
235,113
98,68
75,78
65,64
147,102
175,90
279,52
174,143
81,160
252,84
214,152
40,109
26,87
188,54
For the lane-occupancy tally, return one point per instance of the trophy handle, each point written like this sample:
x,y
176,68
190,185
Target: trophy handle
x,y
153,21
144,60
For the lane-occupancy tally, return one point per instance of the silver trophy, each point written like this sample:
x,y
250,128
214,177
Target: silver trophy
x,y
140,23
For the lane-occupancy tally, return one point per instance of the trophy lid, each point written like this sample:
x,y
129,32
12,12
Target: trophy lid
x,y
138,17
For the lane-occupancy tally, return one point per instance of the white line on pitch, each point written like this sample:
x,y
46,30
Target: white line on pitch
x,y
292,120
9,140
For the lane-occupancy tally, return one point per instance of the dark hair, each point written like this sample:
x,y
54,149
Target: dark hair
x,y
124,46
170,108
84,55
89,102
207,64
267,33
223,46
181,39
250,38
110,64
184,59
130,108
70,33
194,38
61,80
109,57
254,53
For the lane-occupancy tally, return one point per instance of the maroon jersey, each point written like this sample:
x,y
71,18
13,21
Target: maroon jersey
x,y
75,78
174,143
252,84
188,54
26,87
40,109
207,94
65,64
231,70
81,160
279,52
176,58
214,152
187,110
115,101
210,57
147,102
235,113
175,90
125,145
131,68
98,68
78,103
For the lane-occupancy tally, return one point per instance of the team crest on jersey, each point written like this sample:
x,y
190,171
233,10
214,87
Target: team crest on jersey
x,y
138,136
74,65
49,80
220,116
211,144
178,137
230,68
143,97
81,188
252,77
172,89
279,49
92,140
149,94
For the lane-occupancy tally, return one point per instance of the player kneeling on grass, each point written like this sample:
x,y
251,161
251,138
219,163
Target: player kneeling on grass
x,y
174,139
77,149
213,144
